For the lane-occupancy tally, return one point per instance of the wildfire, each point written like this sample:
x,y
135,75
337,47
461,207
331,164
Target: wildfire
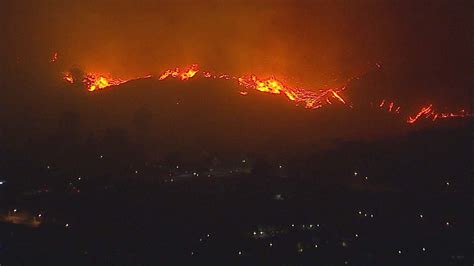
x,y
311,99
429,112
269,85
183,75
390,106
94,82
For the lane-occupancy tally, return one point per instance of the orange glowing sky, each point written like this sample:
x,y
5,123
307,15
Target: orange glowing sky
x,y
315,44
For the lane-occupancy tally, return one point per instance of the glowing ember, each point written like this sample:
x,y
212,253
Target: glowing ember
x,y
68,77
382,103
338,97
391,107
429,112
97,82
424,111
54,57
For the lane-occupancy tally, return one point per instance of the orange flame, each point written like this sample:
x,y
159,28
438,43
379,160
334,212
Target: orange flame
x,y
98,82
183,75
273,86
269,85
424,111
338,97
428,112
68,77
309,98
391,107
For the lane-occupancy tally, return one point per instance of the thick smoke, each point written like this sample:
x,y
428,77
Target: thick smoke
x,y
311,43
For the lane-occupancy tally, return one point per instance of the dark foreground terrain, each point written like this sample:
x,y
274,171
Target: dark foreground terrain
x,y
404,201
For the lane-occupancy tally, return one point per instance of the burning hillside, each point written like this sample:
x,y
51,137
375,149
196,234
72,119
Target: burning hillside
x,y
309,98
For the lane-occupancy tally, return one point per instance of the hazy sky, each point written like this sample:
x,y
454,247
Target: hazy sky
x,y
424,46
